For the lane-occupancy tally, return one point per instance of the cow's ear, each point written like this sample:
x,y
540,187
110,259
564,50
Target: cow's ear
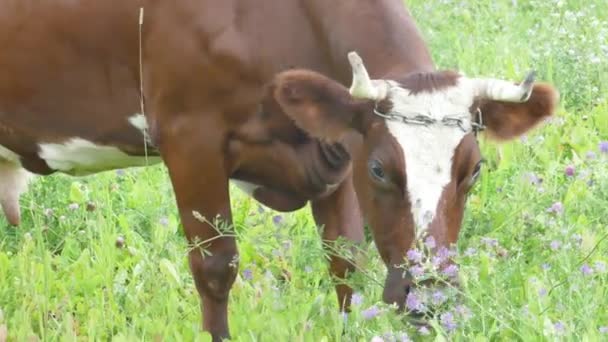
x,y
507,120
318,105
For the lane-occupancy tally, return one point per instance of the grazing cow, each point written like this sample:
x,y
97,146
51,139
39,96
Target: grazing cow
x,y
256,92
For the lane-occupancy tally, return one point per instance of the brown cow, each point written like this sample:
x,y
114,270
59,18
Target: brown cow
x,y
73,74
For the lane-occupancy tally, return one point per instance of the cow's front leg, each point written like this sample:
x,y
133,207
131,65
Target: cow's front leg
x,y
340,216
192,151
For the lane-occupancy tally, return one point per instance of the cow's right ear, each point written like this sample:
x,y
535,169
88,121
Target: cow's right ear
x,y
319,105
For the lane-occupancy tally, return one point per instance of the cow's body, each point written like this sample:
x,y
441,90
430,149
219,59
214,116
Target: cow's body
x,y
70,102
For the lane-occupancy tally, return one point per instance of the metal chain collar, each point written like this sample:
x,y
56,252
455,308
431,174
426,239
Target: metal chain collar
x,y
425,120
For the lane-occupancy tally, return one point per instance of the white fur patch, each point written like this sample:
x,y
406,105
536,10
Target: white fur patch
x,y
429,149
79,157
139,121
13,182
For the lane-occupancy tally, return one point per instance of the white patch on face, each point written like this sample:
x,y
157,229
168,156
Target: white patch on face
x,y
429,149
79,157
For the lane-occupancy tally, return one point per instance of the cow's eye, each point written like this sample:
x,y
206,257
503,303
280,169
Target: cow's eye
x,y
376,170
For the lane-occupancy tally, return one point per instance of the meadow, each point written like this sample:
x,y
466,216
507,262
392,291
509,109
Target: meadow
x,y
104,258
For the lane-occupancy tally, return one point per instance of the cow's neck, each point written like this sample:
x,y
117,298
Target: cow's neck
x,y
382,31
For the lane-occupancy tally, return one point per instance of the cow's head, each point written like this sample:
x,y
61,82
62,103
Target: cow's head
x,y
420,156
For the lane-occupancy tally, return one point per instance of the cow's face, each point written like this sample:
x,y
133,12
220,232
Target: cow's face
x,y
420,156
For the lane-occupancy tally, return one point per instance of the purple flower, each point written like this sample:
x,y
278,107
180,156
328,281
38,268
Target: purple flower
x,y
586,269
443,253
603,146
277,219
163,221
569,170
370,312
417,271
429,242
603,330
260,209
464,312
73,206
555,245
577,238
542,292
247,274
413,302
556,208
470,252
447,320
451,271
546,267
120,172
490,242
439,298
414,255
600,266
423,330
357,299
591,155
533,178
559,327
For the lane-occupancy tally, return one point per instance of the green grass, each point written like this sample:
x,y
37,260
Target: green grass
x,y
63,278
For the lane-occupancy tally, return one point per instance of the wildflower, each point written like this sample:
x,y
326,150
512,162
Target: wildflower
x,y
277,219
533,178
370,312
489,242
120,172
591,155
429,242
439,298
357,299
470,251
260,209
542,292
464,312
163,221
603,146
603,330
577,238
555,245
73,206
414,303
443,253
586,269
247,274
447,320
600,266
559,327
423,330
417,271
48,212
569,171
546,267
556,208
451,271
414,255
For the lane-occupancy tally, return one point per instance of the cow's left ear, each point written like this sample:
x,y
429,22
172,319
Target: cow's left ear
x,y
319,105
508,120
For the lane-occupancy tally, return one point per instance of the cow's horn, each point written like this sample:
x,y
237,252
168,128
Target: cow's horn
x,y
363,87
500,90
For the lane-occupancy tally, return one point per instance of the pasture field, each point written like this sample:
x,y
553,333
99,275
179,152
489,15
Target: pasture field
x,y
104,258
